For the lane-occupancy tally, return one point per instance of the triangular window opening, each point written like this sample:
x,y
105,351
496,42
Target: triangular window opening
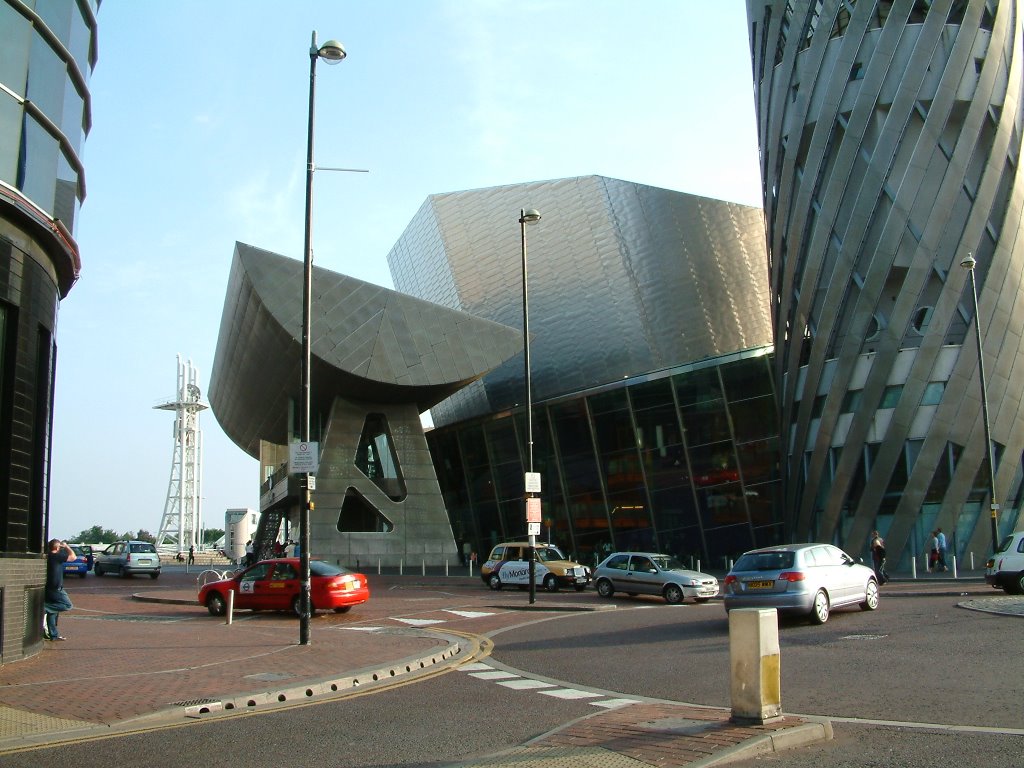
x,y
376,457
359,516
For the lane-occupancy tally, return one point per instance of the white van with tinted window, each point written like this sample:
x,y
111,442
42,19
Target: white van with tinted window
x,y
509,564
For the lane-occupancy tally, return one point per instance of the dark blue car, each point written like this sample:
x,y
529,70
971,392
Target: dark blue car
x,y
83,564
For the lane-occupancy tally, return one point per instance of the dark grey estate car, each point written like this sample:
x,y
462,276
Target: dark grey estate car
x,y
807,579
126,558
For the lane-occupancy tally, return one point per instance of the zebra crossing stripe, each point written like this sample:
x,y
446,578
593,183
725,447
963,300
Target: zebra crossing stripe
x,y
571,693
421,622
525,684
470,614
494,674
614,703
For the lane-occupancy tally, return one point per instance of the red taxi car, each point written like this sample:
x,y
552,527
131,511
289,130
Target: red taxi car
x,y
274,585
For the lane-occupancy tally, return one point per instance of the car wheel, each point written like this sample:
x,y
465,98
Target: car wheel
x,y
215,604
1019,585
99,571
494,582
81,575
121,572
580,587
343,609
154,575
673,594
870,596
701,599
605,588
550,583
819,613
297,606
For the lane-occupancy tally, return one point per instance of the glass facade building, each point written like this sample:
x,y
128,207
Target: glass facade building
x,y
683,461
47,52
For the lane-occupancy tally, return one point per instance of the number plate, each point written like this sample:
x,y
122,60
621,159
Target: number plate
x,y
760,584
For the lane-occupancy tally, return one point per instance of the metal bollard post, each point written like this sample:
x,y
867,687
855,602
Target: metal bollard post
x,y
972,561
698,564
755,665
401,567
231,606
913,567
378,566
953,560
446,567
423,567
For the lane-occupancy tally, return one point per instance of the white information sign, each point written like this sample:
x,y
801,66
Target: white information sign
x,y
533,529
303,458
532,481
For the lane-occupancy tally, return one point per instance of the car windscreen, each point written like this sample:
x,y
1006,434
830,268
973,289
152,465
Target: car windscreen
x,y
547,554
765,561
142,548
668,563
320,568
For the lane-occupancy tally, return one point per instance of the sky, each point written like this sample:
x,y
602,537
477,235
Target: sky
x,y
198,140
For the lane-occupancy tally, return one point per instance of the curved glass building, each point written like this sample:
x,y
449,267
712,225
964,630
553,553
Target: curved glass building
x,y
890,135
47,53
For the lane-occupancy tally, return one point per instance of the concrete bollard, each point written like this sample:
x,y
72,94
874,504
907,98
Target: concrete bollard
x,y
755,665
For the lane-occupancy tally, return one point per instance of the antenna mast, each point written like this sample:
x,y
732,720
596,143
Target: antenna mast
x,y
181,524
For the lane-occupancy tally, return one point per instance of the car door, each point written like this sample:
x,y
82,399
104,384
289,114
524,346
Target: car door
x,y
639,573
253,587
283,586
515,569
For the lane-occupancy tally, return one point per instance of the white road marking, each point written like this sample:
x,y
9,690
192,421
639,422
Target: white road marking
x,y
571,693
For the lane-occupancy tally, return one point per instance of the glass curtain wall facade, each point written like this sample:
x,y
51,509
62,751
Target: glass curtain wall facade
x,y
684,461
47,52
890,135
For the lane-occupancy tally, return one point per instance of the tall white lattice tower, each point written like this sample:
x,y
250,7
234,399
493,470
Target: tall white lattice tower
x,y
181,524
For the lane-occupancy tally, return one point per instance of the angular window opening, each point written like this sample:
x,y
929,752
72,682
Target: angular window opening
x,y
360,516
376,457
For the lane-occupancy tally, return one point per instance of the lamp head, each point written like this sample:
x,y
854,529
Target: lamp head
x,y
332,52
968,262
529,216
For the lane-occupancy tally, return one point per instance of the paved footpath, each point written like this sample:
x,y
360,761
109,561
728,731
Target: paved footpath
x,y
159,658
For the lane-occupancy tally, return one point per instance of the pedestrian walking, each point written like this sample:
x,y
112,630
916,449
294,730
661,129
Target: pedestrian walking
x,y
55,599
940,546
250,553
933,554
878,557
192,554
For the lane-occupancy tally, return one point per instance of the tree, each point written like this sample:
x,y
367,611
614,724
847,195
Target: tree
x,y
143,535
96,535
211,535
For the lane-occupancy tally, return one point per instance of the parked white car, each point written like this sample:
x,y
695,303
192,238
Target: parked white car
x,y
1005,569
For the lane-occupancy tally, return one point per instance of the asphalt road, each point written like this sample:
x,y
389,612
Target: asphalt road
x,y
916,659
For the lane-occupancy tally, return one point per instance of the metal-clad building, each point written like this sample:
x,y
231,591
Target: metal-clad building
x,y
47,52
890,136
654,418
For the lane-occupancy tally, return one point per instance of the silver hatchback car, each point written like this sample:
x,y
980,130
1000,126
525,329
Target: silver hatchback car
x,y
800,578
126,558
652,574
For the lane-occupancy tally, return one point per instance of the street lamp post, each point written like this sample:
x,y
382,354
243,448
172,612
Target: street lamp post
x,y
528,216
332,51
969,263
